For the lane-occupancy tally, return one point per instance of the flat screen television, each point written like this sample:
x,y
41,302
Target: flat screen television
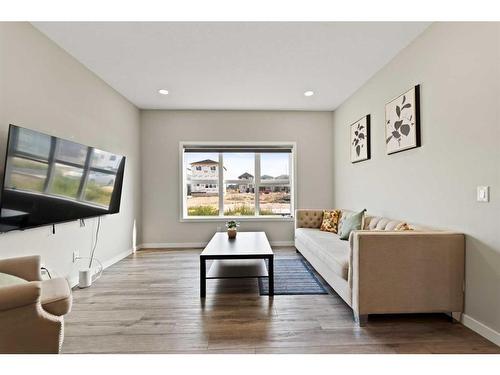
x,y
49,180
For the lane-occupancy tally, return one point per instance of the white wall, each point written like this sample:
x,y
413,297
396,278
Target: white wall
x,y
456,64
458,68
163,130
43,88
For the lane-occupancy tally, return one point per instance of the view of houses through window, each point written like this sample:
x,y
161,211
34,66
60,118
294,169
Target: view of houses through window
x,y
247,184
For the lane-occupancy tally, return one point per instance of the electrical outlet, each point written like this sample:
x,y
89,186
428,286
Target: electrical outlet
x,y
76,255
483,193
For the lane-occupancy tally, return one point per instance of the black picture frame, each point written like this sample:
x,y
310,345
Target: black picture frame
x,y
415,118
365,120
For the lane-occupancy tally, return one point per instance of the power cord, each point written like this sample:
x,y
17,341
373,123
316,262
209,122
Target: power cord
x,y
95,243
46,270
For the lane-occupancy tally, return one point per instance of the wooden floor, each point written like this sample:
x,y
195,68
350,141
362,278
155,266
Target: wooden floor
x,y
149,303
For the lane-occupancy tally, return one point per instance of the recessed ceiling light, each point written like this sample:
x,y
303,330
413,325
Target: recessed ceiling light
x,y
309,93
163,92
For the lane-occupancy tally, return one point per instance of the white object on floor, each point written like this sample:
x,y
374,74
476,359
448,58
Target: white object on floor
x,y
88,274
85,278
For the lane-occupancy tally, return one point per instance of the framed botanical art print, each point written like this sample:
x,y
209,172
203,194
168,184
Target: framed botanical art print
x,y
402,122
360,140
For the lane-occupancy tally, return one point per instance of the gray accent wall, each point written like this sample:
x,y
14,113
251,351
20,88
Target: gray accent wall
x,y
458,68
44,88
163,130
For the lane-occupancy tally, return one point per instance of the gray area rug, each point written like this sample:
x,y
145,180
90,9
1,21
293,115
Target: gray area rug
x,y
293,277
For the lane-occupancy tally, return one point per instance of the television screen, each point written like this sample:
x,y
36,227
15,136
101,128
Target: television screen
x,y
49,180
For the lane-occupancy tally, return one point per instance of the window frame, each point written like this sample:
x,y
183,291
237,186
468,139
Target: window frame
x,y
257,182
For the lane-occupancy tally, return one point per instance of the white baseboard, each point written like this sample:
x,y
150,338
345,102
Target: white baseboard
x,y
117,258
172,245
282,243
482,329
194,245
73,281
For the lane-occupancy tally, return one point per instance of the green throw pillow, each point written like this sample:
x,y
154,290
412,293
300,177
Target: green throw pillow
x,y
350,223
9,280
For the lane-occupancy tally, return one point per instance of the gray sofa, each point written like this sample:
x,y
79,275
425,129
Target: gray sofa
x,y
383,271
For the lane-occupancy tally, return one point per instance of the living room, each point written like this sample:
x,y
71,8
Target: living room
x,y
249,187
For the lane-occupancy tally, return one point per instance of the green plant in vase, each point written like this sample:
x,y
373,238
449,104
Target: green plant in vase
x,y
232,228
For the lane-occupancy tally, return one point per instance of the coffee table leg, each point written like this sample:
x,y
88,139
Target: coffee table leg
x,y
203,277
271,276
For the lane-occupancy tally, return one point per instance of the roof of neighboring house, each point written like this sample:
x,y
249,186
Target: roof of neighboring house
x,y
266,177
204,162
245,176
282,177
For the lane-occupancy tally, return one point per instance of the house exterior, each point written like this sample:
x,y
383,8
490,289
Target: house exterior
x,y
247,184
281,179
204,177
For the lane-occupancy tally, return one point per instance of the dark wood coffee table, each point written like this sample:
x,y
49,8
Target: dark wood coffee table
x,y
242,257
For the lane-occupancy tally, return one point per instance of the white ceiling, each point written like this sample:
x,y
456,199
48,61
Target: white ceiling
x,y
234,65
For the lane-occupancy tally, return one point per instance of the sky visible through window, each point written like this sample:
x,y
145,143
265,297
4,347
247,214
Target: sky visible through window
x,y
236,164
274,164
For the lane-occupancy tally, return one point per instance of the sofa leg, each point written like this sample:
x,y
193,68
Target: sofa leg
x,y
360,320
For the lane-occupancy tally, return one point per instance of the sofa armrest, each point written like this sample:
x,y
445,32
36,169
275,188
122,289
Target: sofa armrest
x,y
25,327
397,272
308,218
15,296
27,268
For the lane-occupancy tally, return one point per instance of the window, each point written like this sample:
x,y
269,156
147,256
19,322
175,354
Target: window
x,y
274,189
237,181
202,193
49,165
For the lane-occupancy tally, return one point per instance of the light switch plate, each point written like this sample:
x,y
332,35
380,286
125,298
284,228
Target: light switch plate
x,y
483,193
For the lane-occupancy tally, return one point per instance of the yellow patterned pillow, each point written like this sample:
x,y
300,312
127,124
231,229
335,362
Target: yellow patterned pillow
x,y
403,227
330,221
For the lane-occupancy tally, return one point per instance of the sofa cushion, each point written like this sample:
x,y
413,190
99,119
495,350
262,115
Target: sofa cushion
x,y
56,296
383,223
9,280
328,247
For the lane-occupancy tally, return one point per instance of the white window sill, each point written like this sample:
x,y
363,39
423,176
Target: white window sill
x,y
201,219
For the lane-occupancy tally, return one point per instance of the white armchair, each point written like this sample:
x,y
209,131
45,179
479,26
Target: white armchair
x,y
32,312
